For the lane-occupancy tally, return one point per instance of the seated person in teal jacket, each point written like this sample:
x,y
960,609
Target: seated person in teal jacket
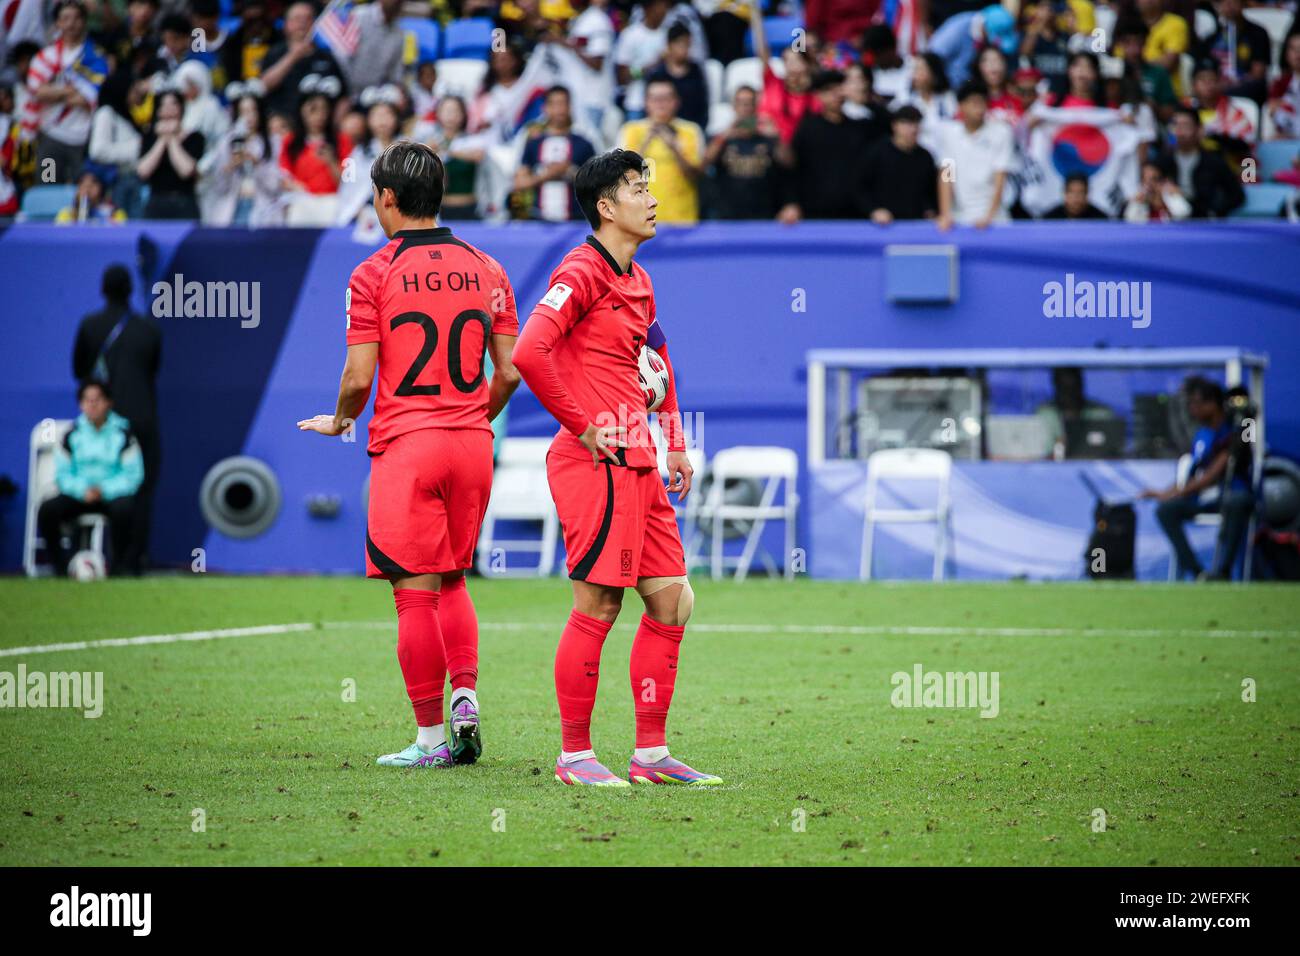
x,y
98,469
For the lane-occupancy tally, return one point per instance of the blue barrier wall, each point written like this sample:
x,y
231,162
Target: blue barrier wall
x,y
729,297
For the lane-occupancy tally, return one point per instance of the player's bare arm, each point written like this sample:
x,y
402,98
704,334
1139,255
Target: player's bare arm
x,y
354,391
505,377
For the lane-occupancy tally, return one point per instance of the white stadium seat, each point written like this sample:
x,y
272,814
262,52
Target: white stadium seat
x,y
520,492
909,464
460,77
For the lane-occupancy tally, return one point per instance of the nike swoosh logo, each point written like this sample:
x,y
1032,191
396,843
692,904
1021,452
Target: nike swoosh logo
x,y
617,307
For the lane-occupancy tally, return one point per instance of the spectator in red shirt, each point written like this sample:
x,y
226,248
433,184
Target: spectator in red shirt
x,y
784,101
313,153
1083,81
1003,103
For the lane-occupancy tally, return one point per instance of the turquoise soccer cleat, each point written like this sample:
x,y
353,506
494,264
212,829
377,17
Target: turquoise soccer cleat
x,y
415,756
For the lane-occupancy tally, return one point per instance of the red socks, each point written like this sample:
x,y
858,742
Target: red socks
x,y
459,626
577,672
653,669
420,652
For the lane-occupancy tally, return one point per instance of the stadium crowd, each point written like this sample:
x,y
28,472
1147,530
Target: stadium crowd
x,y
270,112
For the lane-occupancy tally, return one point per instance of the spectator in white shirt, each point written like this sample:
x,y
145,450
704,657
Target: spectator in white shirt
x,y
932,96
115,132
974,157
591,36
63,84
640,46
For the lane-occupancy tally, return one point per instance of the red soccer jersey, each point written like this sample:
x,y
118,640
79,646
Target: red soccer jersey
x,y
430,301
593,322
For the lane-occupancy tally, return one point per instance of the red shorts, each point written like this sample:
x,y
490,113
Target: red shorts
x,y
428,491
618,524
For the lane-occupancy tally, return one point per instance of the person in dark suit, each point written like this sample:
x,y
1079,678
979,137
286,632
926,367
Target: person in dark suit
x,y
1204,176
124,348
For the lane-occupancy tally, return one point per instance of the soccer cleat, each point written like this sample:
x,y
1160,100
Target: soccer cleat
x,y
587,773
670,771
466,743
413,757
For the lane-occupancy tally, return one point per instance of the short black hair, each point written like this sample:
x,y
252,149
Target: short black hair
x,y
1130,26
25,48
94,383
938,70
558,88
906,114
879,37
205,8
1161,164
1076,177
1200,387
78,4
660,81
415,174
1187,111
116,284
677,31
825,79
971,88
599,178
175,23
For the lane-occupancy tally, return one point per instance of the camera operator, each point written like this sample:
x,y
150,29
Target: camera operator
x,y
1222,463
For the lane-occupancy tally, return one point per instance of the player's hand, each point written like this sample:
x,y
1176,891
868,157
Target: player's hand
x,y
680,474
944,223
324,424
882,217
93,496
604,441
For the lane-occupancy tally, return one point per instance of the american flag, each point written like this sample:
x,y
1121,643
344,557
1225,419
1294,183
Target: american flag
x,y
339,27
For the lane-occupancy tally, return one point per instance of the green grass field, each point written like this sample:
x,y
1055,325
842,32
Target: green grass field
x,y
1126,699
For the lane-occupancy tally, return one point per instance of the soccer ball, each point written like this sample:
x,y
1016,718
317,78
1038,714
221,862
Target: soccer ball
x,y
654,378
87,566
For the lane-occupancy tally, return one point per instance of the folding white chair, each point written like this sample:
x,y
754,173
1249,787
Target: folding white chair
x,y
1211,519
771,465
519,493
916,465
46,437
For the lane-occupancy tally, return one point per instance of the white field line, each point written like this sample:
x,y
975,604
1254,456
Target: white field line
x,y
839,629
